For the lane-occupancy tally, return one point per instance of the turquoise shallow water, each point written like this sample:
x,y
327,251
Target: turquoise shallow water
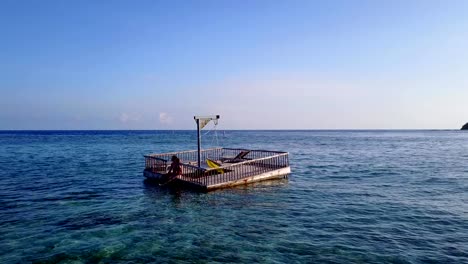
x,y
353,197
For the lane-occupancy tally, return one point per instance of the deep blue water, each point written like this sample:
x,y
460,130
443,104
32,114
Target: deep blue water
x,y
352,197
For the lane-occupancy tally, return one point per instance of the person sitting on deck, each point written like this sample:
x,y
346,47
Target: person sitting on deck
x,y
175,169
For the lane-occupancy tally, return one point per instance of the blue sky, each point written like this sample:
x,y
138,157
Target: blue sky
x,y
259,64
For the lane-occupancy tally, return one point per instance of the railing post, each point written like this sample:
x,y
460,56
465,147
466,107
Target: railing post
x,y
199,141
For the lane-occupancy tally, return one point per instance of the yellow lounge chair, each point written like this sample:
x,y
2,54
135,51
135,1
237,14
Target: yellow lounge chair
x,y
215,165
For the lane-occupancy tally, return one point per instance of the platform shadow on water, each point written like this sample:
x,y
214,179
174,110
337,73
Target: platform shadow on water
x,y
180,194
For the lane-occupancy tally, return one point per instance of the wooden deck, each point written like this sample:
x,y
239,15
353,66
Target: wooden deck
x,y
250,173
259,166
211,182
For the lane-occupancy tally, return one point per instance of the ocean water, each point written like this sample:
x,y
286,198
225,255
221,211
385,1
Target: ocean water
x,y
352,197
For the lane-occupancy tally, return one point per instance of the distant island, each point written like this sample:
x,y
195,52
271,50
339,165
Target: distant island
x,y
465,127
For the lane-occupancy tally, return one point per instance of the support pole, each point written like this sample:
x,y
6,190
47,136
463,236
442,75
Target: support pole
x,y
199,142
205,120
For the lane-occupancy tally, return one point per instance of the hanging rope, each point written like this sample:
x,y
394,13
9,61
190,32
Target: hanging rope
x,y
215,136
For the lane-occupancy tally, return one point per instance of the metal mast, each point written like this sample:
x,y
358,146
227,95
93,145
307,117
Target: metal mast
x,y
201,122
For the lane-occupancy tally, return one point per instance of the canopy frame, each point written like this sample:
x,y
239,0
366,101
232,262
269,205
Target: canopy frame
x,y
201,122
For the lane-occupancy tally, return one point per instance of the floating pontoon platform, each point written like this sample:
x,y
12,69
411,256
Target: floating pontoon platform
x,y
254,166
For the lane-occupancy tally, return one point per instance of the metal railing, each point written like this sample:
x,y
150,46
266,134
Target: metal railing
x,y
245,169
215,154
254,163
155,164
190,156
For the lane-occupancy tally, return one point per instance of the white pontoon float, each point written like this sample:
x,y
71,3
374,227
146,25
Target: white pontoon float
x,y
216,168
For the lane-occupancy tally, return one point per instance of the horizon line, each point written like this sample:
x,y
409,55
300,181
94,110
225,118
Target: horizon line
x,y
256,129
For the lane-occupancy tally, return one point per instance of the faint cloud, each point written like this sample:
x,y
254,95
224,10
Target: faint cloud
x,y
126,117
165,118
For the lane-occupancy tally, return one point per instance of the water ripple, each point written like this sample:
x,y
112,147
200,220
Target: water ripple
x,y
353,197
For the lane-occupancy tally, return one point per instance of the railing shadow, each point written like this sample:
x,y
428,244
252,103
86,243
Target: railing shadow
x,y
154,188
242,196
